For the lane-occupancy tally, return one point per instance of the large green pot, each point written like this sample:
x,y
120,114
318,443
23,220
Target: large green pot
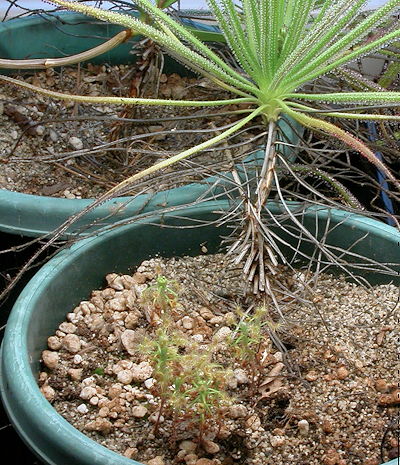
x,y
35,216
71,275
56,36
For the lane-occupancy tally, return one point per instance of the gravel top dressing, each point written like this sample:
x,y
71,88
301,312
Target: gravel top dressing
x,y
222,393
63,149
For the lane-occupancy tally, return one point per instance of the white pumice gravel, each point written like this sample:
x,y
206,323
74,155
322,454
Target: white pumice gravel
x,y
35,155
325,400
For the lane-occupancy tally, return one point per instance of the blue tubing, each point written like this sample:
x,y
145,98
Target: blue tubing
x,y
388,205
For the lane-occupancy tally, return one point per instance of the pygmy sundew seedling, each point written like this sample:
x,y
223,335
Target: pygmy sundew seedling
x,y
160,298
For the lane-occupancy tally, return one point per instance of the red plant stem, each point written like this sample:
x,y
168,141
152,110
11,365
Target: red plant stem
x,y
157,424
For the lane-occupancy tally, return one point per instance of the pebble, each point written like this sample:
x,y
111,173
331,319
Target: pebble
x,y
68,194
188,446
77,359
130,452
359,364
48,392
102,425
118,304
331,457
50,359
159,460
104,412
327,426
75,373
390,399
210,447
87,307
206,313
132,320
129,339
222,334
237,411
253,422
190,459
115,281
304,427
139,278
187,322
96,323
89,381
216,320
40,130
342,372
125,376
114,390
149,383
205,461
241,376
71,343
342,405
139,411
75,143
82,408
381,385
87,392
277,441
311,376
141,371
53,135
68,328
154,418
54,343
230,319
232,383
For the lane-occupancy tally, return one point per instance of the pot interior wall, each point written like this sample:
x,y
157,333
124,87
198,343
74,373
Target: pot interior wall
x,y
65,33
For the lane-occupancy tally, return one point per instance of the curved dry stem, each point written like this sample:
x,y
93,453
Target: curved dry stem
x,y
44,63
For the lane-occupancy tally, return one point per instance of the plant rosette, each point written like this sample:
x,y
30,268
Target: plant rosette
x,y
70,277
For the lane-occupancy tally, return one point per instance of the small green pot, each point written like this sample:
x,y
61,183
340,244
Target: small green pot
x,y
60,35
71,275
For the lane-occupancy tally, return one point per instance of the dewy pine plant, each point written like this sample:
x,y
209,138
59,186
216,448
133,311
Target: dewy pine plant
x,y
281,46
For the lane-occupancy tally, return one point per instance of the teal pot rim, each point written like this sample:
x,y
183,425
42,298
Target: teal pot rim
x,y
29,412
36,216
71,28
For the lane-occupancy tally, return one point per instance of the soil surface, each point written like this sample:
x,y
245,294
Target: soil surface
x,y
64,149
315,387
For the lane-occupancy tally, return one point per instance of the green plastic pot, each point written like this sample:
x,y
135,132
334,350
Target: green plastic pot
x,y
71,275
65,33
35,216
